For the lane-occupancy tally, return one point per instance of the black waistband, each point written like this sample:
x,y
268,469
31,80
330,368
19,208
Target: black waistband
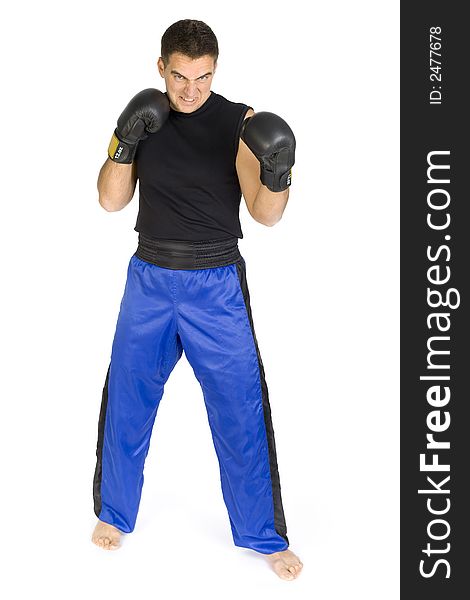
x,y
176,254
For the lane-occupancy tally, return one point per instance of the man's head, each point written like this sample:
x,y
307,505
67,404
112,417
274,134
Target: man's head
x,y
188,61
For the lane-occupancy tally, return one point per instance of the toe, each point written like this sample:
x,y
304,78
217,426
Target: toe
x,y
284,573
295,568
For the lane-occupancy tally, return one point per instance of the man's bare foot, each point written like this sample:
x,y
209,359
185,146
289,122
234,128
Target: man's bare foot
x,y
106,536
286,564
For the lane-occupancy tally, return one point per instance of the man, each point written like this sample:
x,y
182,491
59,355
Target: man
x,y
194,153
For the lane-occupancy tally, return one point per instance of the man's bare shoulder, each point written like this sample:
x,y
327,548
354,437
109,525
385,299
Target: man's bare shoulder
x,y
243,149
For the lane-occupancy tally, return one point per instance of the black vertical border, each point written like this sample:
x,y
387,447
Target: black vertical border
x,y
425,128
279,517
97,477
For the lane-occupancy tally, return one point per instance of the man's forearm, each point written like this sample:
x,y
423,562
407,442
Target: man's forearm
x,y
116,185
269,206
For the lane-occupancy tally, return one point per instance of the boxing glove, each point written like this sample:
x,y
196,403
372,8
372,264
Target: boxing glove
x,y
147,111
273,143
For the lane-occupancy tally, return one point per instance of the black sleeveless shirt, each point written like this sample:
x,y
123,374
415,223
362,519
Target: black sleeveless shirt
x,y
188,184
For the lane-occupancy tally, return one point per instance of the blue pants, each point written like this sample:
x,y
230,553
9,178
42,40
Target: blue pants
x,y
206,313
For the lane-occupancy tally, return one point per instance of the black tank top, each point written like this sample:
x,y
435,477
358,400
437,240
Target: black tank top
x,y
188,184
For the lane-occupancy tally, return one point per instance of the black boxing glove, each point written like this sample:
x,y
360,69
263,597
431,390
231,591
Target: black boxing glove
x,y
147,111
272,141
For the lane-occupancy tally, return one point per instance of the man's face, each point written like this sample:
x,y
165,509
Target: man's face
x,y
188,81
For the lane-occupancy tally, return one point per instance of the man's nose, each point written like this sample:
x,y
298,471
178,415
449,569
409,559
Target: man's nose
x,y
190,88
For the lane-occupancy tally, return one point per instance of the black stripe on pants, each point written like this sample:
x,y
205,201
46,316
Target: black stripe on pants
x,y
279,518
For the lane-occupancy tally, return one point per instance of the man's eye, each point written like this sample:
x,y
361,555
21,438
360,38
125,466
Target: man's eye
x,y
179,77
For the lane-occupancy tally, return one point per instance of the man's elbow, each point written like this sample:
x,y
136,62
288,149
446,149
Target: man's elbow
x,y
266,215
269,221
269,218
109,205
104,203
273,222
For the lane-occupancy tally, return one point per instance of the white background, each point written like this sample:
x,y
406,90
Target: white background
x,y
324,292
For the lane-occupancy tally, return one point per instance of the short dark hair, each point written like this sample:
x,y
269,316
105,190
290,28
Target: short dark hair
x,y
191,38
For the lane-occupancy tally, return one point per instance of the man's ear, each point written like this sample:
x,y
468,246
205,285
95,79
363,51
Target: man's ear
x,y
161,66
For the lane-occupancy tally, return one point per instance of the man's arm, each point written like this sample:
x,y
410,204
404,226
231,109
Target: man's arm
x,y
264,206
146,113
116,185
